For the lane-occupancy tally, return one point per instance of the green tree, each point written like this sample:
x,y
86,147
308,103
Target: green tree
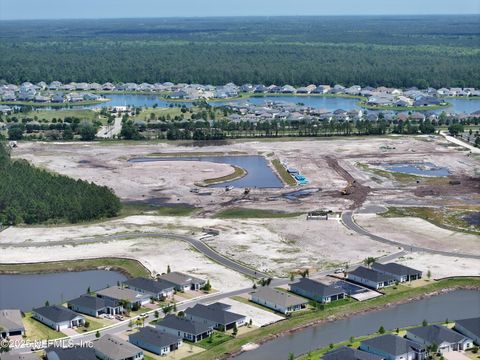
x,y
381,330
87,132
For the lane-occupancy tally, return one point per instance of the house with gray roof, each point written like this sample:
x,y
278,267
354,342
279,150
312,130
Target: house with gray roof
x,y
58,317
401,273
371,278
155,341
184,328
470,328
157,289
315,290
182,282
111,347
215,315
11,323
95,306
347,353
445,338
278,300
122,294
70,353
392,347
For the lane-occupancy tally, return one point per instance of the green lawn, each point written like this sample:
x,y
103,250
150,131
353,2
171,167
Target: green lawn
x,y
216,339
35,330
283,173
402,294
60,114
245,213
130,267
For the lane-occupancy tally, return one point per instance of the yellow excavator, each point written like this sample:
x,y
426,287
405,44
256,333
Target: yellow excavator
x,y
347,190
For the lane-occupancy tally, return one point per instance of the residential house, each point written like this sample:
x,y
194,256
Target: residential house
x,y
347,353
70,353
277,300
111,347
443,337
215,315
184,328
183,282
401,273
11,323
95,306
157,289
392,347
317,291
121,294
371,278
288,89
155,341
470,328
58,317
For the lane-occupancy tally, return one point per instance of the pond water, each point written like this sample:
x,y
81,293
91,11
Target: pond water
x,y
421,169
455,305
317,102
25,292
259,173
473,218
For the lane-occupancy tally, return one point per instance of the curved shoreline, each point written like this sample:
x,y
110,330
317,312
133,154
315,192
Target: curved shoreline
x,y
54,105
355,313
34,268
238,173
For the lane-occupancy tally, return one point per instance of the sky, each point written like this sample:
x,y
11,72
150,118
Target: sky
x,y
78,9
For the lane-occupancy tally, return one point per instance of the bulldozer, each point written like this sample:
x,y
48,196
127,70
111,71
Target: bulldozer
x,y
347,190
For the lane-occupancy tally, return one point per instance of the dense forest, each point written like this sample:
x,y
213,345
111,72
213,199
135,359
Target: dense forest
x,y
31,195
392,51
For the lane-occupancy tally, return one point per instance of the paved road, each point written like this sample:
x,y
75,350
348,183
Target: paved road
x,y
348,221
196,243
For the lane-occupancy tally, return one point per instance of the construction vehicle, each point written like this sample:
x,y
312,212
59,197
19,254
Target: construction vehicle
x,y
347,190
246,191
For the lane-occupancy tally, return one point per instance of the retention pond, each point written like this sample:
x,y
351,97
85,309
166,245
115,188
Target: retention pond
x,y
25,292
259,173
454,305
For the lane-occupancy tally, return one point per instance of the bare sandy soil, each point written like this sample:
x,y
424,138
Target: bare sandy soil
x,y
419,232
171,181
441,266
275,245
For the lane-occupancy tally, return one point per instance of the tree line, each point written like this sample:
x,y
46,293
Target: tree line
x,y
31,195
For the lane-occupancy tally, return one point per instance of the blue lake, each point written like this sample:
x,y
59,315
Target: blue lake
x,y
317,102
259,173
25,292
455,305
423,169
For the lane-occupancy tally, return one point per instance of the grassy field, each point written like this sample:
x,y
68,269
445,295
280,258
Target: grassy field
x,y
129,267
245,213
283,173
216,339
401,295
60,114
48,104
35,330
450,218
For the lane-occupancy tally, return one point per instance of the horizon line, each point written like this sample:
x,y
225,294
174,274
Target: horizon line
x,y
236,16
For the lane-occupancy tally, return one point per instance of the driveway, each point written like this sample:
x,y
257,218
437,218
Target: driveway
x,y
455,355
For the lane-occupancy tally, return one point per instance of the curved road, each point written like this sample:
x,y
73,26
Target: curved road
x,y
349,222
197,244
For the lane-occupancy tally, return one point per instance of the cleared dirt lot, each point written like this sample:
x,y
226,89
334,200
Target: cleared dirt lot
x,y
277,246
171,181
419,232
